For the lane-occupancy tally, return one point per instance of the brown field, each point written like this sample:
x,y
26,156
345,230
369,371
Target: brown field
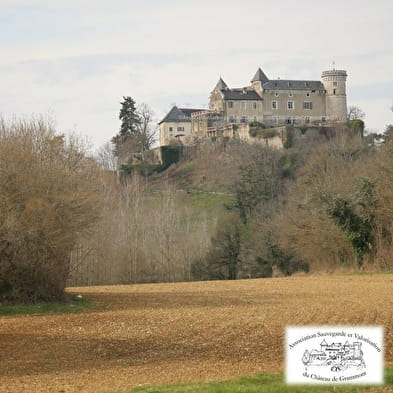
x,y
159,333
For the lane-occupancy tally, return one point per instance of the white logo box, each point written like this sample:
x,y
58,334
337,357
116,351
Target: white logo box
x,y
334,355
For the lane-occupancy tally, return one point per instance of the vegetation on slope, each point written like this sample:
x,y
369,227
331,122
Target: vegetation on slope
x,y
227,210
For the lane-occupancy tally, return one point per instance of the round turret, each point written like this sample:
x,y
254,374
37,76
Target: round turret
x,y
336,96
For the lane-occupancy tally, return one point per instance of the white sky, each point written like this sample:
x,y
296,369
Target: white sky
x,y
75,59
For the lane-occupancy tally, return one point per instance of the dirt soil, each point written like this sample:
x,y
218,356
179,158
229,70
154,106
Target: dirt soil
x,y
161,333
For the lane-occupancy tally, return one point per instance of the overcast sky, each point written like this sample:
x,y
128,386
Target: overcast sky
x,y
76,59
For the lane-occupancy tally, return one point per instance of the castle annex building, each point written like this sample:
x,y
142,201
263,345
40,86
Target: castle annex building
x,y
279,102
176,125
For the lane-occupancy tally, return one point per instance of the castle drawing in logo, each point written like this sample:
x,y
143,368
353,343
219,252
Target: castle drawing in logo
x,y
336,356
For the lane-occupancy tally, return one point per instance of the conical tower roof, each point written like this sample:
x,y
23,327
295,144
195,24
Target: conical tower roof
x,y
221,85
260,76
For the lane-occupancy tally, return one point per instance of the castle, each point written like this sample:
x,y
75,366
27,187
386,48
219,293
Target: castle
x,y
334,351
272,102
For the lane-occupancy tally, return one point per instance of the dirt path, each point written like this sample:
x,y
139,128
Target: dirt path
x,y
161,333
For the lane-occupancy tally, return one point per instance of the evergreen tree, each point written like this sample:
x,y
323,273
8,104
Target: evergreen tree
x,y
129,116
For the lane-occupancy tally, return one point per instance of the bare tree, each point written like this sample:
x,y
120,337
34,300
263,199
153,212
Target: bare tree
x,y
106,157
146,129
355,113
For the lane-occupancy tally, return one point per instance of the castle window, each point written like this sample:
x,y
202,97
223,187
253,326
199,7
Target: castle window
x,y
289,120
307,94
232,119
254,105
323,119
290,94
307,105
230,104
274,105
307,119
170,128
276,93
243,119
180,128
290,104
334,91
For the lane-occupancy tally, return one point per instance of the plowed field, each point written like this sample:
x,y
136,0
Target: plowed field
x,y
159,333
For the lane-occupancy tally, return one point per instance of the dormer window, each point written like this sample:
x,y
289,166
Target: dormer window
x,y
289,84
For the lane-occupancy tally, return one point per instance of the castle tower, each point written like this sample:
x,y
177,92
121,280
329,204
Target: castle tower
x,y
336,96
258,80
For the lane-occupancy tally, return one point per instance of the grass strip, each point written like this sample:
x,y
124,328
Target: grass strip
x,y
73,304
260,383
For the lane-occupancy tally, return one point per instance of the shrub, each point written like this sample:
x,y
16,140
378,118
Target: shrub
x,y
284,260
266,267
48,198
357,126
288,138
262,133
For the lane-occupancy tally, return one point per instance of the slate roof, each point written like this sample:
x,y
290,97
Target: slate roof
x,y
179,114
221,85
260,76
282,84
241,94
